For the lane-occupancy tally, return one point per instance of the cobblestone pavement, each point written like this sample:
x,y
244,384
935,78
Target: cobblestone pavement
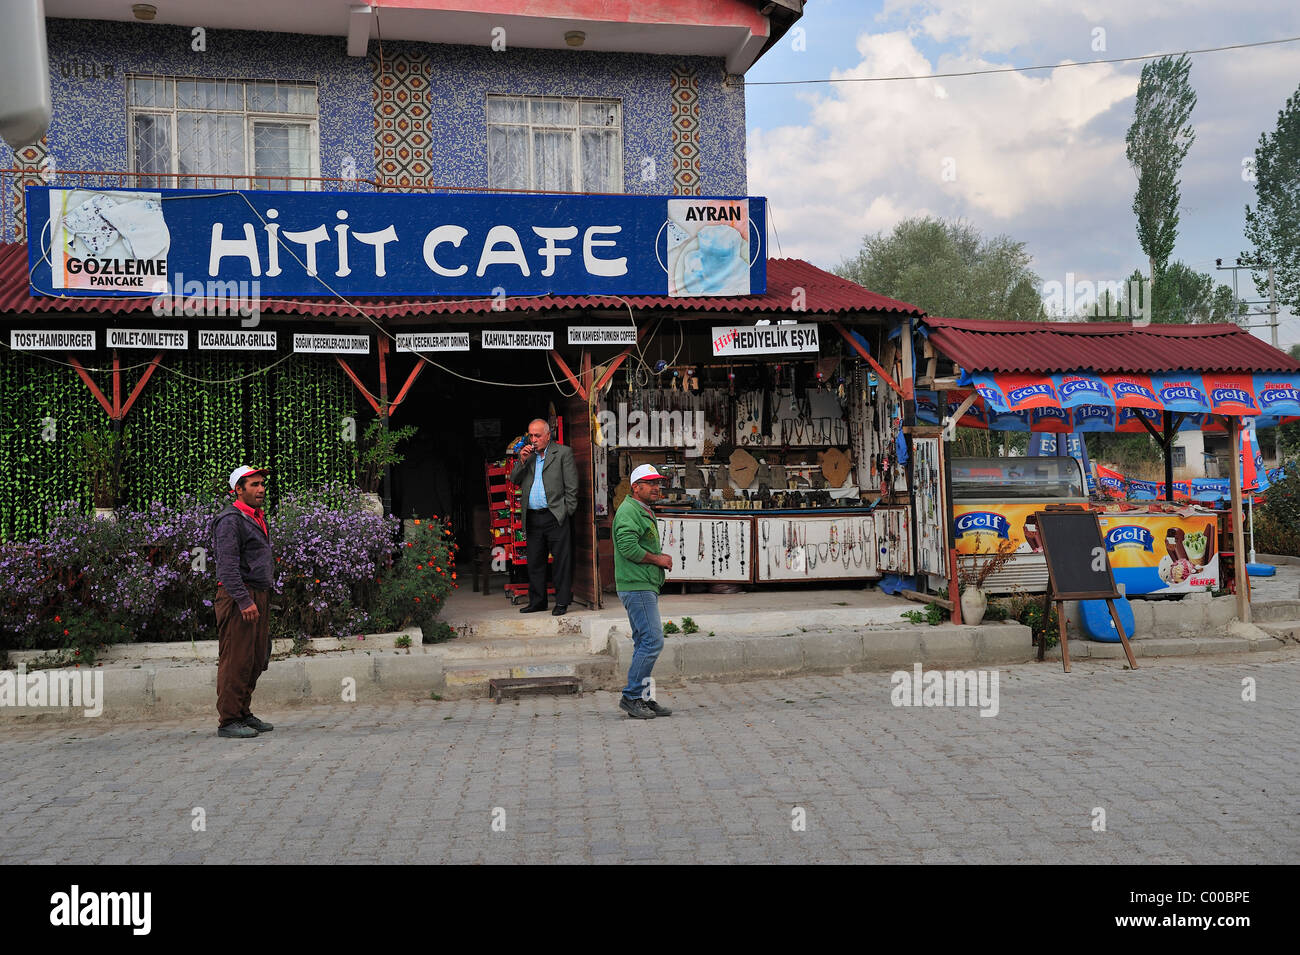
x,y
1185,770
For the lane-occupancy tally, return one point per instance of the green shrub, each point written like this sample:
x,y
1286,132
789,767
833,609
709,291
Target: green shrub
x,y
412,591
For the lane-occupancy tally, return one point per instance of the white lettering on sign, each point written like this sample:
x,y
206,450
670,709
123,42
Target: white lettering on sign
x,y
499,339
332,344
433,341
591,335
49,340
220,340
764,339
150,338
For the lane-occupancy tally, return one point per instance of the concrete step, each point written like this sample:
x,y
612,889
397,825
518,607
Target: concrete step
x,y
1271,611
478,647
1288,630
468,679
1081,648
520,626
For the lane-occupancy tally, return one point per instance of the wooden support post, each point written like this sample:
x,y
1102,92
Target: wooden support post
x,y
117,387
139,385
357,381
410,380
1062,628
1169,456
568,373
383,416
1114,616
908,392
90,383
1238,522
885,377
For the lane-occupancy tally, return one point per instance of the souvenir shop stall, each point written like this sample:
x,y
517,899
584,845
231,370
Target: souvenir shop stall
x,y
1065,378
781,443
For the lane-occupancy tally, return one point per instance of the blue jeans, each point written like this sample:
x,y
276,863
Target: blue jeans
x,y
647,638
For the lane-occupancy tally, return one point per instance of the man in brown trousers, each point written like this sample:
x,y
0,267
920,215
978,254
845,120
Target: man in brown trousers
x,y
245,575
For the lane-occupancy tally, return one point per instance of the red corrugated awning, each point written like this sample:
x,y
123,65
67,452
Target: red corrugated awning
x,y
791,283
1044,348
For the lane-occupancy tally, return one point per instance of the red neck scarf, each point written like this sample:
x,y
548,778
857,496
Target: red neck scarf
x,y
256,514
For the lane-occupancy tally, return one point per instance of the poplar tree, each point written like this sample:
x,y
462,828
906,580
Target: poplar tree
x,y
1273,226
1156,145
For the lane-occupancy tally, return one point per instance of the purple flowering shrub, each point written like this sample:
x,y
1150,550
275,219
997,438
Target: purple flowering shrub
x,y
92,582
151,575
329,551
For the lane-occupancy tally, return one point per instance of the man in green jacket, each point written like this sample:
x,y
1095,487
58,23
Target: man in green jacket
x,y
639,574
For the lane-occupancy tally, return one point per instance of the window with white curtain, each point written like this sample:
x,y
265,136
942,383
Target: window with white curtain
x,y
202,128
555,143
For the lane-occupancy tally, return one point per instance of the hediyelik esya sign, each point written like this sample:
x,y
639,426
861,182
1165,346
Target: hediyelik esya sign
x,y
85,242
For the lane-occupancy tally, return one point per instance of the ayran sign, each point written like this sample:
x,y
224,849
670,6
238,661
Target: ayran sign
x,y
735,340
131,242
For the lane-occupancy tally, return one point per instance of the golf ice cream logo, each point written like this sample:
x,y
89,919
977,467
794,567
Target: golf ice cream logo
x,y
1181,391
1131,389
982,521
708,247
1087,386
1277,393
107,241
1129,535
1235,396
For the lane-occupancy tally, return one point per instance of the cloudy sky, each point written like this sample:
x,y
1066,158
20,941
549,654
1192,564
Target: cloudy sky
x,y
1037,155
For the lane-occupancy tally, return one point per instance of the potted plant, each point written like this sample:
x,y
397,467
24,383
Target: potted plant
x,y
972,575
376,451
99,455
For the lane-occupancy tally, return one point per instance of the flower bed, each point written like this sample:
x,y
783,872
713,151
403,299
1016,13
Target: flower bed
x,y
149,576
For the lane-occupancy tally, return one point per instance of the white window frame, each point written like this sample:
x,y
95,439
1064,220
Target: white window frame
x,y
576,129
247,178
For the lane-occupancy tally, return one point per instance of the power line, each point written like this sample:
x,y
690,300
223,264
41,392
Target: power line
x,y
1017,69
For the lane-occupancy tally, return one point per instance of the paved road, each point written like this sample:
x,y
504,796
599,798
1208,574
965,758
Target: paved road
x,y
1184,769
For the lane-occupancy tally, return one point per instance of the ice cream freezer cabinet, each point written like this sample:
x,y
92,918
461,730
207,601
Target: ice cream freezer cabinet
x,y
994,502
1150,553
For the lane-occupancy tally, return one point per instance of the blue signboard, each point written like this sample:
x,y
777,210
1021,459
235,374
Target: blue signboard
x,y
84,242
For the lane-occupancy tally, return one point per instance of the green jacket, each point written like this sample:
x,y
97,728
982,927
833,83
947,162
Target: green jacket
x,y
635,535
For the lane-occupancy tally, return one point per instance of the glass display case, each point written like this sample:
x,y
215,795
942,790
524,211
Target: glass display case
x,y
995,480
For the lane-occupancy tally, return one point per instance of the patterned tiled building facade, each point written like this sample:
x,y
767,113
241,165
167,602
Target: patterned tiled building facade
x,y
418,123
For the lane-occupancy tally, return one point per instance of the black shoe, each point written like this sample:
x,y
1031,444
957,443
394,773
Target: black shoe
x,y
260,725
237,731
636,709
657,709
559,610
532,609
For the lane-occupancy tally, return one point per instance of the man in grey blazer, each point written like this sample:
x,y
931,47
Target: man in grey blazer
x,y
548,480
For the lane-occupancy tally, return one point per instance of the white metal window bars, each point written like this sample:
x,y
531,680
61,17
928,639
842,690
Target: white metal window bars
x,y
555,143
196,133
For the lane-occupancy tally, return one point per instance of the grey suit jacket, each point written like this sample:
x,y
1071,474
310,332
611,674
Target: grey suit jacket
x,y
559,477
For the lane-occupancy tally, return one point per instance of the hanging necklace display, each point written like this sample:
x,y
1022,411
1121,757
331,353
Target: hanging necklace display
x,y
700,548
833,548
713,545
726,544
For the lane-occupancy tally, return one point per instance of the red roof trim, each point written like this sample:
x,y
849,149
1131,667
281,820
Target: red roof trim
x,y
823,293
1045,348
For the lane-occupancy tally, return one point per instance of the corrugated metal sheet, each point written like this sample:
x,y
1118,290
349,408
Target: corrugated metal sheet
x,y
822,293
1103,347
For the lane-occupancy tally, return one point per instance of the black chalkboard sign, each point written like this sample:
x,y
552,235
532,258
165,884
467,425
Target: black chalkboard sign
x,y
1077,565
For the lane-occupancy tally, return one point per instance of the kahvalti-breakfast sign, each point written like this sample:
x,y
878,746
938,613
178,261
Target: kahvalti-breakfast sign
x,y
86,242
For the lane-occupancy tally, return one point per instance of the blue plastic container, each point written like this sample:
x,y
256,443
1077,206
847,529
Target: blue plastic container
x,y
1097,624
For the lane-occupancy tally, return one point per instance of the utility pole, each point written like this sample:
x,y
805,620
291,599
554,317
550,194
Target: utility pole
x,y
1272,311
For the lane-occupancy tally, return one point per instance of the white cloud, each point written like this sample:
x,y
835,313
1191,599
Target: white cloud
x,y
991,149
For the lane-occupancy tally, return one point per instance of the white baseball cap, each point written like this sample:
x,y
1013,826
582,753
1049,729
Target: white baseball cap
x,y
244,471
646,472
